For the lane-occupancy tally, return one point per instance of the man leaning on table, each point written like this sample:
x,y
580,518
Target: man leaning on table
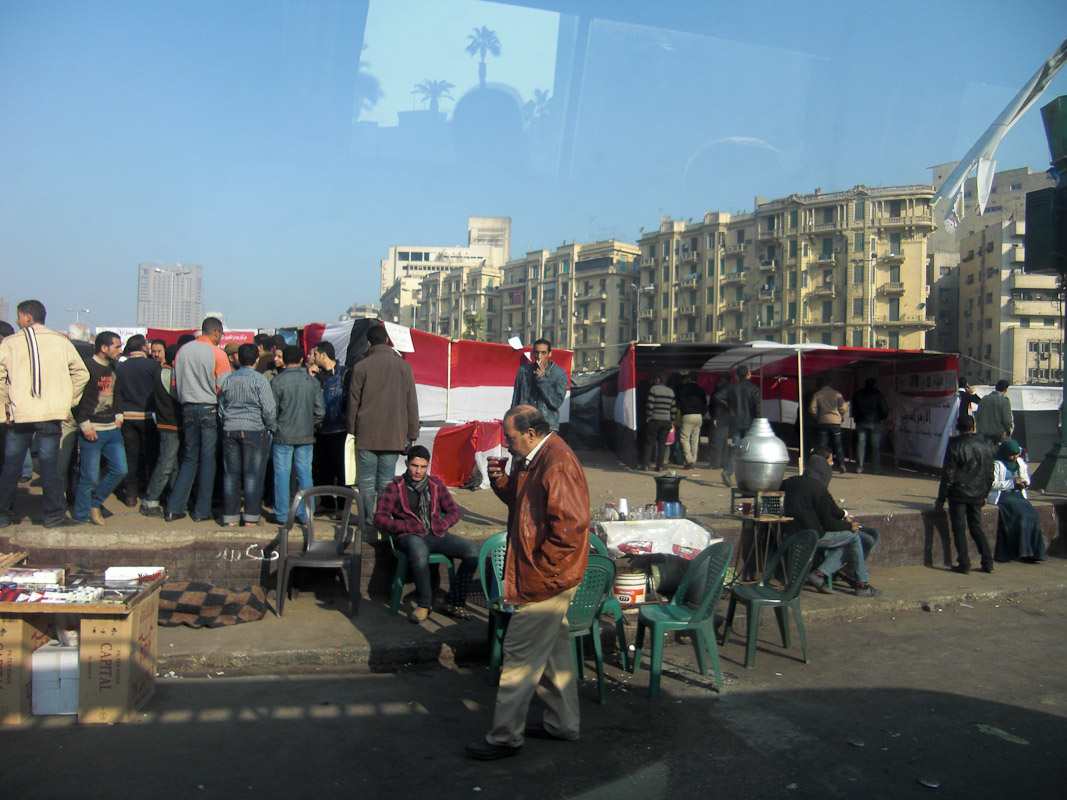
x,y
548,548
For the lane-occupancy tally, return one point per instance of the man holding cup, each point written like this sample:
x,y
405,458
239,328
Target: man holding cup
x,y
548,548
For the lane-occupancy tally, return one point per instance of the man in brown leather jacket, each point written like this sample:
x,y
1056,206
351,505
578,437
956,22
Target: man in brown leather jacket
x,y
548,548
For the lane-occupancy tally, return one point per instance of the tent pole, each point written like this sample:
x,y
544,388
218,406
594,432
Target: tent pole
x,y
896,455
448,384
800,410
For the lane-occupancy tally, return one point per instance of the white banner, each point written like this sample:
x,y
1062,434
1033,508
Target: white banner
x,y
923,426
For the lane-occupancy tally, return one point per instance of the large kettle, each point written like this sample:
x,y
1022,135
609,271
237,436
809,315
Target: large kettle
x,y
760,458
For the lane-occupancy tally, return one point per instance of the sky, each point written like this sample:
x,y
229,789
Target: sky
x,y
240,136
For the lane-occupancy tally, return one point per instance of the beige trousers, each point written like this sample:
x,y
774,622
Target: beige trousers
x,y
538,656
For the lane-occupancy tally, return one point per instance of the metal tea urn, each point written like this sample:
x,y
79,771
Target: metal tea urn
x,y
760,458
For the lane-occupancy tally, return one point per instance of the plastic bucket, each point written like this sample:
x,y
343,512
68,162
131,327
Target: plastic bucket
x,y
629,588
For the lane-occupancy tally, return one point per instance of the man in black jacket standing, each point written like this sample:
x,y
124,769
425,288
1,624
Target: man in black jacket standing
x,y
966,478
744,399
869,409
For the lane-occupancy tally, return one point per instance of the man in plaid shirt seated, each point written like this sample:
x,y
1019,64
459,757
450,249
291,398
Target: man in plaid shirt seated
x,y
417,510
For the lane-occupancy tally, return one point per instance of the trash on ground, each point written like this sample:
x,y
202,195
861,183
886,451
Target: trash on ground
x,y
1007,737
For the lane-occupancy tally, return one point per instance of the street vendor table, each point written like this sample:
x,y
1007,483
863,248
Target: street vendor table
x,y
677,537
116,654
749,550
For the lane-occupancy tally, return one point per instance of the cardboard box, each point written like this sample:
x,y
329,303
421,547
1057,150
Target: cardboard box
x,y
117,663
55,679
20,636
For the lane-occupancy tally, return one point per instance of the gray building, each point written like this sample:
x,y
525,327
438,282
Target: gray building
x,y
170,296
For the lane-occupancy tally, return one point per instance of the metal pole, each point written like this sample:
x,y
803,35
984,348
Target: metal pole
x,y
800,410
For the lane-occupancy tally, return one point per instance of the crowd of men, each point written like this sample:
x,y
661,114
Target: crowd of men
x,y
191,429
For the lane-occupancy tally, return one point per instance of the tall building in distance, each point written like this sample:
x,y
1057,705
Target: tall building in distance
x,y
170,296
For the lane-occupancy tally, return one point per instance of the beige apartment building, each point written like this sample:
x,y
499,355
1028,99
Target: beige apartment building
x,y
1010,322
846,268
463,303
580,297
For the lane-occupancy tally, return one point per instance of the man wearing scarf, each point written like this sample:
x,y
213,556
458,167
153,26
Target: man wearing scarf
x,y
417,509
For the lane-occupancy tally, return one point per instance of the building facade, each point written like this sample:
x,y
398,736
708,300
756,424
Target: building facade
x,y
360,311
847,268
170,296
581,297
1010,322
463,303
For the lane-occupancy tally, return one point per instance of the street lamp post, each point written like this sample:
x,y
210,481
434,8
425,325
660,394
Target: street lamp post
x,y
78,312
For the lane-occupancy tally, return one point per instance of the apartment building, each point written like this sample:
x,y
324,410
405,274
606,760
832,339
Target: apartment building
x,y
360,311
170,296
400,302
1010,322
581,297
463,303
845,268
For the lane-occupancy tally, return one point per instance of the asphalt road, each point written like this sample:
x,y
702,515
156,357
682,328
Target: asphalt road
x,y
972,699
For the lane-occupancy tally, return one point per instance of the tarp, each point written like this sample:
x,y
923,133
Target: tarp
x,y
456,381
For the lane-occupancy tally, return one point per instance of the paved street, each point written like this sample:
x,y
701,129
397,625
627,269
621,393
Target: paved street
x,y
973,699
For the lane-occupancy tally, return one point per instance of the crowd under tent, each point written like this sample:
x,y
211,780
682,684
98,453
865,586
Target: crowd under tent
x,y
921,387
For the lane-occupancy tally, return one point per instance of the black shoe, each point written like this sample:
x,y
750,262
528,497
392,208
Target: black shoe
x,y
200,519
169,517
66,522
151,511
987,567
537,730
486,751
961,569
819,582
867,590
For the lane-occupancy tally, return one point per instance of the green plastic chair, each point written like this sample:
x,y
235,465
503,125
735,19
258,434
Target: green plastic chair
x,y
712,561
400,577
491,570
797,552
583,615
611,603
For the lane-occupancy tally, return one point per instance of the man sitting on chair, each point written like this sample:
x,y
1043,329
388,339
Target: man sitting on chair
x,y
417,510
808,502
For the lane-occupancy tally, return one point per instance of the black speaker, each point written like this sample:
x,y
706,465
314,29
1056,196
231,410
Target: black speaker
x,y
1046,231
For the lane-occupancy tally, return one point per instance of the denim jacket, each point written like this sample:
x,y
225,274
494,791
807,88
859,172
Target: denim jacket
x,y
335,395
300,406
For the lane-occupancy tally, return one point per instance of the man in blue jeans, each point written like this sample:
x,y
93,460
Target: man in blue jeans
x,y
41,379
301,410
248,414
383,416
808,502
99,420
199,369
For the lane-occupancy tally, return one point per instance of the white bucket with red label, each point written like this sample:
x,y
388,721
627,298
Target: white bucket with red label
x,y
630,587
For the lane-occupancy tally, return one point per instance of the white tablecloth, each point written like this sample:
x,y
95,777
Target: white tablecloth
x,y
678,537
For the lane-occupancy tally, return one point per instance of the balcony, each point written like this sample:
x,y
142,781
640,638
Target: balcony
x,y
824,226
582,321
734,277
647,339
824,259
735,248
826,291
767,325
1034,308
649,288
1019,280
731,334
733,305
892,259
904,321
768,234
689,258
687,311
686,337
595,294
689,280
892,288
769,294
647,261
1017,255
914,220
646,313
768,265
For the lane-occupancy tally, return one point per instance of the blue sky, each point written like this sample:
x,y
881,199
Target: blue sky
x,y
225,134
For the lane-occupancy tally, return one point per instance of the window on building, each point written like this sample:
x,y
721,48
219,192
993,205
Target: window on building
x,y
791,313
857,306
709,295
665,300
857,338
894,244
792,279
857,272
894,274
827,338
1050,322
827,247
827,311
989,323
793,218
1015,187
827,277
792,248
663,327
828,216
739,236
859,212
403,255
652,251
894,208
739,265
894,340
772,252
894,310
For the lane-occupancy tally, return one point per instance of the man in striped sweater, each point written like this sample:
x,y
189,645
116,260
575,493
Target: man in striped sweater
x,y
659,413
